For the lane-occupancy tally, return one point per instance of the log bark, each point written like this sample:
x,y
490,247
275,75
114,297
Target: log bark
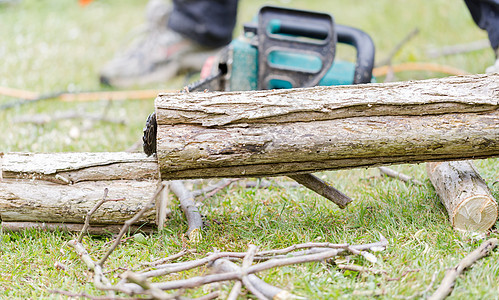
x,y
72,227
465,195
282,132
63,187
68,167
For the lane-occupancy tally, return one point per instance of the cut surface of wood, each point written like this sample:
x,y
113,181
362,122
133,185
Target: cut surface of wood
x,y
465,195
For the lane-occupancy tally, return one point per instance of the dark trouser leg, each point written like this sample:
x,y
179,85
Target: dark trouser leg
x,y
208,22
485,13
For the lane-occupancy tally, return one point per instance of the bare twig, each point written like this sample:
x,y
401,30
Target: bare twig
x,y
394,174
186,199
247,261
403,274
457,49
211,190
396,49
360,269
422,293
449,280
146,286
89,215
415,66
183,252
322,188
269,291
40,119
234,292
85,295
131,221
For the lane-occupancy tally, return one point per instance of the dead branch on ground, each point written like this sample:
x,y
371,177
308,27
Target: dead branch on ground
x,y
398,46
397,175
191,212
457,49
447,285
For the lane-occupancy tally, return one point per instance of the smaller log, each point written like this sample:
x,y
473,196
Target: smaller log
x,y
72,227
465,195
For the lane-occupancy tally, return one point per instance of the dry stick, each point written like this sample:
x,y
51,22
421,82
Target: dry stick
x,y
322,188
100,280
269,291
394,174
360,269
222,184
167,259
313,249
85,295
131,221
186,199
247,261
396,49
449,280
40,119
234,292
89,214
273,263
457,49
146,286
431,67
420,294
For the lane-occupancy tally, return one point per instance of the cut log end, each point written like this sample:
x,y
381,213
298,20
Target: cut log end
x,y
465,195
476,213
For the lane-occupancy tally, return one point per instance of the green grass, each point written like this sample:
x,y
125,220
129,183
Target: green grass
x,y
57,45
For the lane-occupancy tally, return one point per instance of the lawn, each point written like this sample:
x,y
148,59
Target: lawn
x,y
55,45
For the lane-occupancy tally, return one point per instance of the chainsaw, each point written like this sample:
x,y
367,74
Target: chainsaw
x,y
282,48
288,48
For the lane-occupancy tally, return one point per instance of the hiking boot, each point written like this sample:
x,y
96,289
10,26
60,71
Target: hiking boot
x,y
158,56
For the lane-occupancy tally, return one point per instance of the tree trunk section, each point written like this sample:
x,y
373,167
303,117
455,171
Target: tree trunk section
x,y
282,132
63,187
465,195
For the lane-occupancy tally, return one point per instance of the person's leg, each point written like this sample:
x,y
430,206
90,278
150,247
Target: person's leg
x,y
485,13
198,29
208,22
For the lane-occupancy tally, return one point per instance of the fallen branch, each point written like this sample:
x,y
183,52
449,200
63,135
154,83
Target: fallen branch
x,y
131,221
430,67
269,291
191,212
394,174
360,269
41,119
449,280
457,49
322,188
396,49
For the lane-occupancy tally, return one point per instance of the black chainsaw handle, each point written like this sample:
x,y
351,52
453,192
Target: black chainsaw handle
x,y
365,51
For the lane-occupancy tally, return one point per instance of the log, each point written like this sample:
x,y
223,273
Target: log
x,y
63,187
465,195
72,227
283,132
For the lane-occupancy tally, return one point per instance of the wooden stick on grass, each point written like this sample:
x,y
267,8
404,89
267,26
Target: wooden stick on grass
x,y
191,212
449,280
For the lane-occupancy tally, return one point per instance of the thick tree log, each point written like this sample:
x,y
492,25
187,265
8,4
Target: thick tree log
x,y
465,195
282,132
72,227
38,201
63,187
